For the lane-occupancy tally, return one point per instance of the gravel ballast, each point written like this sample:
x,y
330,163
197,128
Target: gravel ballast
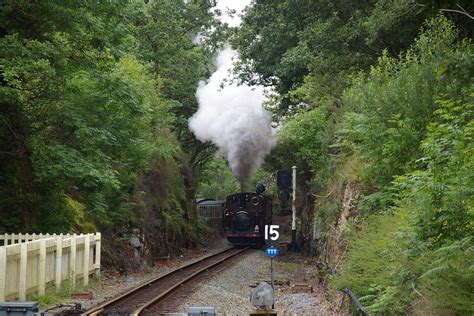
x,y
228,288
228,291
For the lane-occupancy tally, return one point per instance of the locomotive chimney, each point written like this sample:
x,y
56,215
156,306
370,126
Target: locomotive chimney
x,y
242,195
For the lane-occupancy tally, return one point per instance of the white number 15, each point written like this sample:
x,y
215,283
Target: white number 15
x,y
272,231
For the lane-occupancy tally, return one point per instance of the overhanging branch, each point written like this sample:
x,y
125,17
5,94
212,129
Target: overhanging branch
x,y
462,11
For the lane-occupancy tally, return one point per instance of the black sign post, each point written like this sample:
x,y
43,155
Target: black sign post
x,y
284,182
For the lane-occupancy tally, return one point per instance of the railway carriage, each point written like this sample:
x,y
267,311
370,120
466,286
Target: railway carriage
x,y
209,208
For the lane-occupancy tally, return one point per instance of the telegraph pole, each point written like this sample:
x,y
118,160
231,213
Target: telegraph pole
x,y
293,246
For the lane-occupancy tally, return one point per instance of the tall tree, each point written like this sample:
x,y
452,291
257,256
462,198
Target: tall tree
x,y
168,33
76,109
308,49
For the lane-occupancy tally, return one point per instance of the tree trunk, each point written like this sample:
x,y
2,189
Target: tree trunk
x,y
25,179
307,216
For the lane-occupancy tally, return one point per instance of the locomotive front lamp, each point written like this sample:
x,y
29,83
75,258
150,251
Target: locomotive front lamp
x,y
260,188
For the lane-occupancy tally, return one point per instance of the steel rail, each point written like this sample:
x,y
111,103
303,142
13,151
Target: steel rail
x,y
182,282
108,304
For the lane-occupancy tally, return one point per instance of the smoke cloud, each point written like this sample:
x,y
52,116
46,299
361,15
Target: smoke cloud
x,y
233,118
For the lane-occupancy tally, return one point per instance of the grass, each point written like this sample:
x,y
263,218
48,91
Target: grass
x,y
51,297
289,266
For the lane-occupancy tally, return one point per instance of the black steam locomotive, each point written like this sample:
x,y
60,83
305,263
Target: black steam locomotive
x,y
245,216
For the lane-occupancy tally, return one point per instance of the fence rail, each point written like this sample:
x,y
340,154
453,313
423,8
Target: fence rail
x,y
29,262
11,239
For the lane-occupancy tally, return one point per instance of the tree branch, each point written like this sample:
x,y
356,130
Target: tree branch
x,y
9,127
7,153
462,11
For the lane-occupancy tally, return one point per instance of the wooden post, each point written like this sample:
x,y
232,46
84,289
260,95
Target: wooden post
x,y
87,243
72,263
42,267
97,254
59,259
23,265
293,246
5,239
3,273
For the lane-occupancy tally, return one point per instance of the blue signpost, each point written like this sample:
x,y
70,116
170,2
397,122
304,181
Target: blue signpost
x,y
272,251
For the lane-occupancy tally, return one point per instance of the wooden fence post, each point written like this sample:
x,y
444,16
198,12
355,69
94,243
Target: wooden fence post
x,y
42,267
23,265
5,239
3,273
87,243
72,263
98,240
59,259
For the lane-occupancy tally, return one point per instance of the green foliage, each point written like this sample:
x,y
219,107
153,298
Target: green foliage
x,y
442,195
395,103
308,50
217,181
407,122
376,255
51,297
301,143
448,282
166,31
300,138
431,249
88,104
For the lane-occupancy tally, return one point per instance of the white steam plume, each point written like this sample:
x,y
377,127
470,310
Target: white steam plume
x,y
234,119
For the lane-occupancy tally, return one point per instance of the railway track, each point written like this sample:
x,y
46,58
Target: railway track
x,y
142,299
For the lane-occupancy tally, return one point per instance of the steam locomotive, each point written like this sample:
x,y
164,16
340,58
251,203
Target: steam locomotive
x,y
245,215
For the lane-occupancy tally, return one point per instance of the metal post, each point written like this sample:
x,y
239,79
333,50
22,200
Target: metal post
x,y
293,246
271,272
271,276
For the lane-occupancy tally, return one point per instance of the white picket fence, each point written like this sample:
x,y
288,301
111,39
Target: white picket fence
x,y
28,262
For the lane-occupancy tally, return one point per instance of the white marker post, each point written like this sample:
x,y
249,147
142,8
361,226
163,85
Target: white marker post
x,y
293,246
293,204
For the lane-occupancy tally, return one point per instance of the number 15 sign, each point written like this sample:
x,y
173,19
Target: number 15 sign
x,y
271,232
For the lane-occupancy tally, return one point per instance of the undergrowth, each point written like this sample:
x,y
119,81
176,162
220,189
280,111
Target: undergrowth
x,y
51,297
